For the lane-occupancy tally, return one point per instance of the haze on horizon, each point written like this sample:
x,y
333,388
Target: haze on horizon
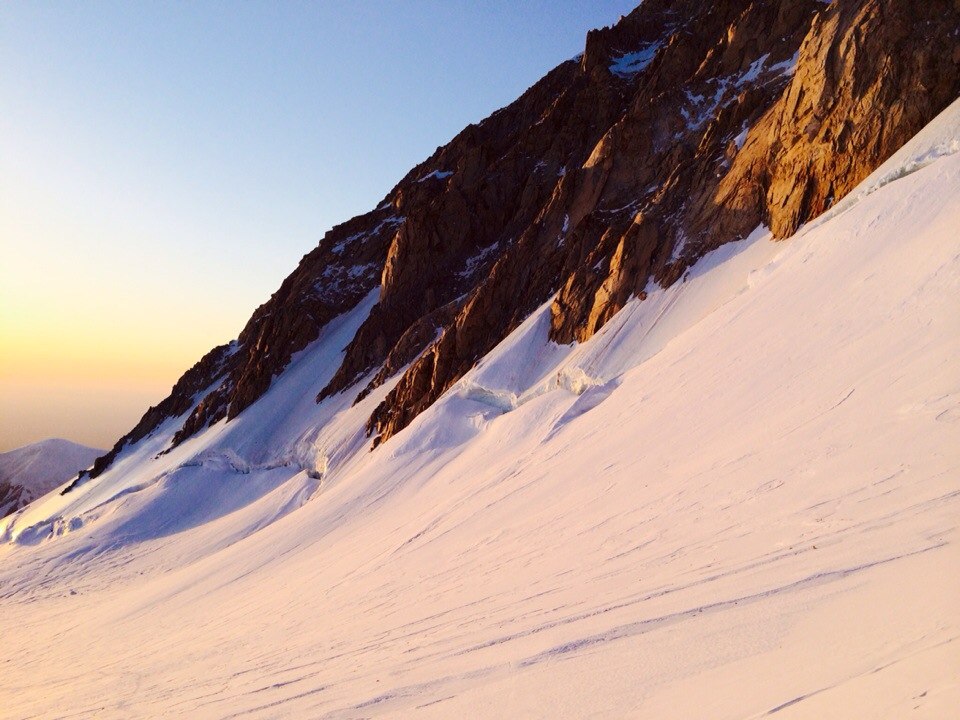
x,y
165,167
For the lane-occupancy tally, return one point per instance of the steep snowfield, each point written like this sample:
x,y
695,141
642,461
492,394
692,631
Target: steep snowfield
x,y
40,467
740,499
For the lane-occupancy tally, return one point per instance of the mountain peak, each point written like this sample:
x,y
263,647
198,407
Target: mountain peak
x,y
28,472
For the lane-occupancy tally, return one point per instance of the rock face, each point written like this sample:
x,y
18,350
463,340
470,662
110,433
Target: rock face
x,y
870,75
683,127
732,115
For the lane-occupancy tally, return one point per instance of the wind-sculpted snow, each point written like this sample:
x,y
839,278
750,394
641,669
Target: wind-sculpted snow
x,y
738,499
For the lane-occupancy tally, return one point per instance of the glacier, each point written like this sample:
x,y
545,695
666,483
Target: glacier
x,y
740,498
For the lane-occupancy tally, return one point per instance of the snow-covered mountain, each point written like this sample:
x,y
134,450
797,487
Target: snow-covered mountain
x,y
640,398
31,471
679,129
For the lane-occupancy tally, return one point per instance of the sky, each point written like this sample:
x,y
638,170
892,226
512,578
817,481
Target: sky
x,y
163,166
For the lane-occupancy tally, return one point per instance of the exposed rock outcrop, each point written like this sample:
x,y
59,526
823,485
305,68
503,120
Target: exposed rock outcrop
x,y
739,114
869,76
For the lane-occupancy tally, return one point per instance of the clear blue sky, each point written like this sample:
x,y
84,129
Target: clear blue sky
x,y
165,165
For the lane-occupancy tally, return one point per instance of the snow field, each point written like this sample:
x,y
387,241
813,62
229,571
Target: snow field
x,y
740,499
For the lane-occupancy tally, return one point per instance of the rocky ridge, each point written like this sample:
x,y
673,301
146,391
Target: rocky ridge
x,y
680,128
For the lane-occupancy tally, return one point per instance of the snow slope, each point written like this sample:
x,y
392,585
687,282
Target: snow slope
x,y
739,499
40,467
